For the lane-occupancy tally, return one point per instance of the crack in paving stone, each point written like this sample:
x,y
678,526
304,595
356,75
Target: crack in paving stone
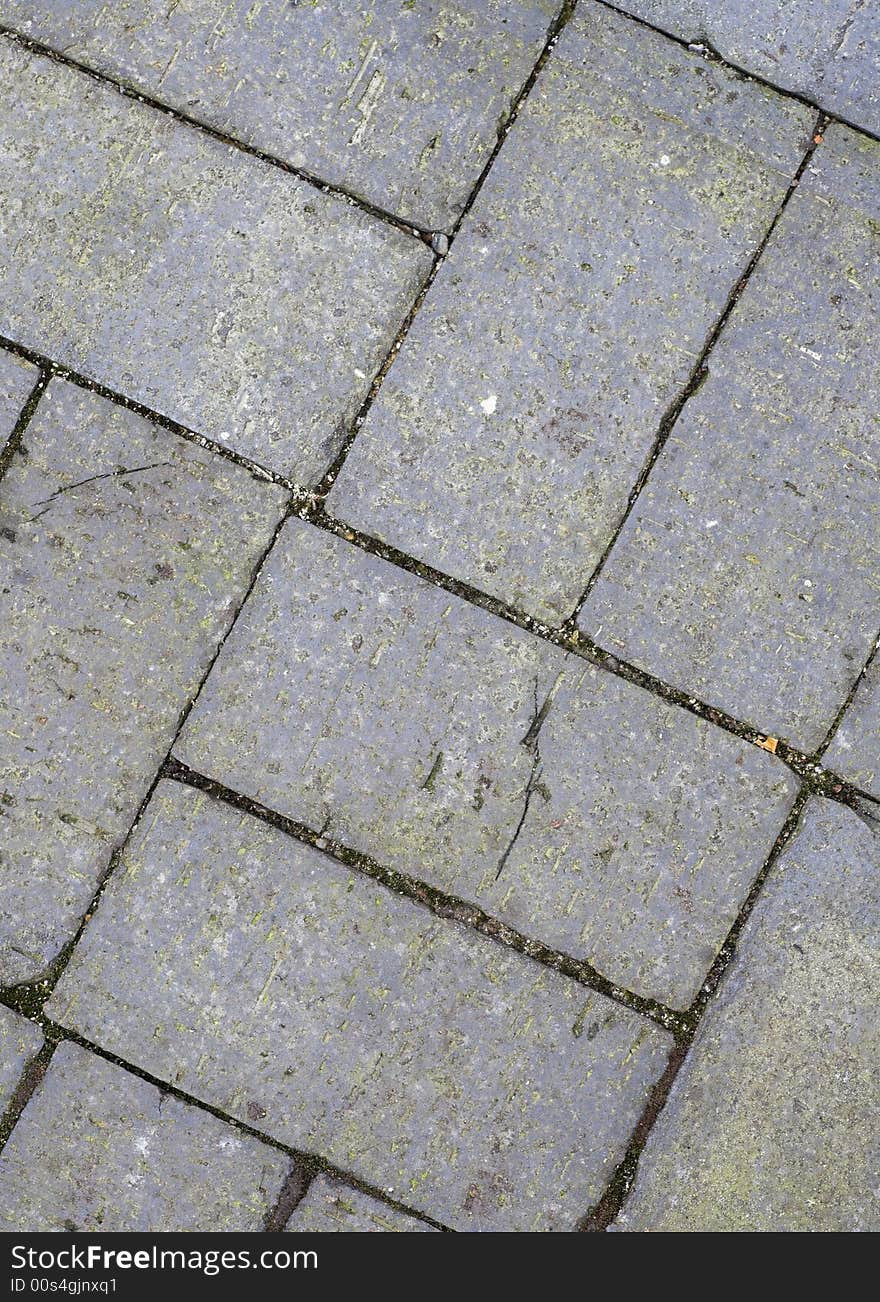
x,y
121,473
33,1073
291,1194
13,443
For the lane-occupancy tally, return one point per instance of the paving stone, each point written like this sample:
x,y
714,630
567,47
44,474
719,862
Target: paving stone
x,y
398,101
17,379
771,1125
361,700
424,1058
214,288
124,551
748,570
332,1206
855,751
612,227
828,52
19,1041
97,1148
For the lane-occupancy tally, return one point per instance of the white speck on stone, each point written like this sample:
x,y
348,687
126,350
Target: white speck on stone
x,y
360,374
665,160
711,524
489,404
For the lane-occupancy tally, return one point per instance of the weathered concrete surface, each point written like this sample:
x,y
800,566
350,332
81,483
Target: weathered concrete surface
x,y
124,551
397,101
97,1148
610,232
332,1206
457,1075
828,52
854,752
183,273
20,1040
748,571
772,1123
628,835
17,379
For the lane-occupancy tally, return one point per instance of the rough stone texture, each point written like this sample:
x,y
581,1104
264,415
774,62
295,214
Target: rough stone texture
x,y
396,100
855,751
634,829
17,379
771,1125
828,52
332,1206
183,273
19,1041
466,1080
748,571
610,232
97,1148
124,551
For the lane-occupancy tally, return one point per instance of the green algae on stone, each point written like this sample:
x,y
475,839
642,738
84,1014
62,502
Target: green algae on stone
x,y
218,290
399,103
828,52
771,1124
424,1058
99,1149
20,1040
615,222
124,551
17,379
854,752
460,750
748,570
332,1207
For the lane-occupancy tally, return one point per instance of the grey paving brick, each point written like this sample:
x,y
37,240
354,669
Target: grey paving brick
x,y
123,552
20,1040
748,571
397,101
612,227
854,752
177,270
17,379
424,1058
332,1206
828,52
771,1125
97,1148
359,699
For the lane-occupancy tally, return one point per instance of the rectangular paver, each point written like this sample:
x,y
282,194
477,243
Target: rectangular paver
x,y
854,752
97,1148
20,1040
399,102
214,288
771,1125
749,570
124,551
17,379
613,226
828,52
332,1207
628,833
458,1076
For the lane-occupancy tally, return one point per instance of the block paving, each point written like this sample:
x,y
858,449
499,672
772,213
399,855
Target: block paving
x,y
439,703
